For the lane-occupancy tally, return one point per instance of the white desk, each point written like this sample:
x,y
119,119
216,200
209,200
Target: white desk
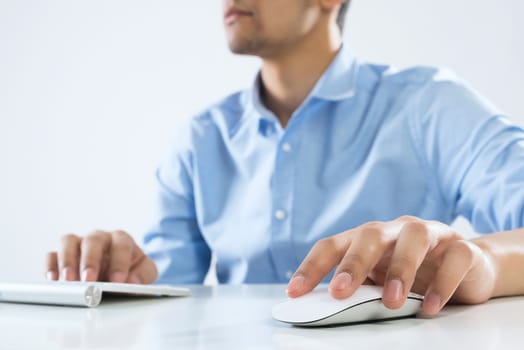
x,y
239,317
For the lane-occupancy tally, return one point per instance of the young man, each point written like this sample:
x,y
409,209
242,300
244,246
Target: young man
x,y
316,167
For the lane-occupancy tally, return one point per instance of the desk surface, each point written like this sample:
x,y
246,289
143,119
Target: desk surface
x,y
239,317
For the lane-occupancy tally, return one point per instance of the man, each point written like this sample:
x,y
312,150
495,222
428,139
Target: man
x,y
316,167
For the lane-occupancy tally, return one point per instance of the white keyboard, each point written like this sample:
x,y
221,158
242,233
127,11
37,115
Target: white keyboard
x,y
81,293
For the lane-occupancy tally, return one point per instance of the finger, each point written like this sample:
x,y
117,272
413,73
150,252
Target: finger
x,y
367,248
144,270
94,247
120,257
52,266
456,262
68,257
413,243
320,260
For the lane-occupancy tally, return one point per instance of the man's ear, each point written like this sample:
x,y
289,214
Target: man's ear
x,y
331,4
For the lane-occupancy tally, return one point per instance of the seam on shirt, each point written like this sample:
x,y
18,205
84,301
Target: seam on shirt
x,y
417,143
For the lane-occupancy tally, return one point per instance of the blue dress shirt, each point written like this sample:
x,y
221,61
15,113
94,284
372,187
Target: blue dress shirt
x,y
370,143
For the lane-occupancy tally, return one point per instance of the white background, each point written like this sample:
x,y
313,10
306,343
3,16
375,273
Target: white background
x,y
90,92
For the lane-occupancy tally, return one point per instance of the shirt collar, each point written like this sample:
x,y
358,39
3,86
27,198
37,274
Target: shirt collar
x,y
338,82
255,109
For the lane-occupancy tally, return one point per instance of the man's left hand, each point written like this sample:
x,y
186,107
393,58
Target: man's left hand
x,y
403,255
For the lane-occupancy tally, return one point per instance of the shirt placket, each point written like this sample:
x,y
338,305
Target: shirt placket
x,y
282,187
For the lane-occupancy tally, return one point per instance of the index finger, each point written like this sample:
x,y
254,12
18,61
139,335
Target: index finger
x,y
121,251
320,260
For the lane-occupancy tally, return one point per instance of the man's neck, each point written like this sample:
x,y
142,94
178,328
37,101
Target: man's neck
x,y
288,79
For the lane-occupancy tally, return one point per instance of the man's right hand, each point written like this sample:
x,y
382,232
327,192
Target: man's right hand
x,y
101,256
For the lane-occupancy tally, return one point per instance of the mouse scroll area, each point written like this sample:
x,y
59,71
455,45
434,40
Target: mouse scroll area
x,y
319,308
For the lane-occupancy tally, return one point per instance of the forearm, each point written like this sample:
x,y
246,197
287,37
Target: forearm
x,y
506,249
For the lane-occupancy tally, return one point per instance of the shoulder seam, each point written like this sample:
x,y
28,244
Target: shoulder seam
x,y
418,148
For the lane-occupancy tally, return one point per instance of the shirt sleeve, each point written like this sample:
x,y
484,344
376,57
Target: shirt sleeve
x,y
175,242
474,153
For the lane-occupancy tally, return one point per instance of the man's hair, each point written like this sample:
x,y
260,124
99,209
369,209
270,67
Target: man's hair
x,y
341,18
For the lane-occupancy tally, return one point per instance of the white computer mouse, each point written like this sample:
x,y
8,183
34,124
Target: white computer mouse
x,y
319,308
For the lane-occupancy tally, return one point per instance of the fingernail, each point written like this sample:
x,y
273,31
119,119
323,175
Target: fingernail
x,y
89,274
67,274
118,277
295,284
342,281
50,275
393,290
432,302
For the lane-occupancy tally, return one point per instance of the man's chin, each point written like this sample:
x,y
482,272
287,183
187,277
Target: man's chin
x,y
242,49
244,44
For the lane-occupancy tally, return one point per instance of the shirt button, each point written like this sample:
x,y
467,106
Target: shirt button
x,y
289,274
286,147
280,215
